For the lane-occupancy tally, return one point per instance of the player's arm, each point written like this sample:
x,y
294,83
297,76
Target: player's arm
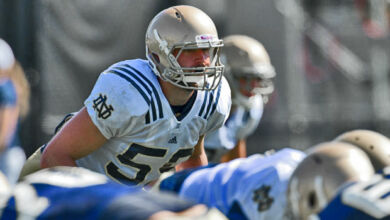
x,y
9,112
238,151
78,138
198,157
8,120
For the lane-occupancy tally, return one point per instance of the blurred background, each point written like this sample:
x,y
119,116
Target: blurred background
x,y
331,59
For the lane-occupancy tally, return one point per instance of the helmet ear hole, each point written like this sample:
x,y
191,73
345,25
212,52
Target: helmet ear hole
x,y
312,200
155,57
317,159
177,15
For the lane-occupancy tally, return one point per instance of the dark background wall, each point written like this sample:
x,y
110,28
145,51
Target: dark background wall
x,y
332,71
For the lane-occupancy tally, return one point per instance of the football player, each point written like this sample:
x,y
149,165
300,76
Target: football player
x,y
249,72
14,95
286,184
317,179
354,199
144,117
78,193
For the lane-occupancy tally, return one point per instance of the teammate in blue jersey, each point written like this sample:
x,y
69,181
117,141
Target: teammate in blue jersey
x,y
276,186
364,199
144,117
315,190
249,72
14,95
77,193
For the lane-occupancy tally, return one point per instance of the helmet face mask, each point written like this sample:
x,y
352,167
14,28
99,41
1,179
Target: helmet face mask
x,y
252,84
178,29
198,77
246,85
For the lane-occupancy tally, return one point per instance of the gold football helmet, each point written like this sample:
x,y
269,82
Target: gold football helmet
x,y
317,178
248,69
376,145
180,28
7,58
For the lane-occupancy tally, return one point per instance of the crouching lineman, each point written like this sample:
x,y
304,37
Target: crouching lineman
x,y
364,199
77,193
249,72
361,199
284,184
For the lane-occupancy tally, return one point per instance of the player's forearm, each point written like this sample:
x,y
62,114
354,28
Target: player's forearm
x,y
52,160
193,161
198,157
239,151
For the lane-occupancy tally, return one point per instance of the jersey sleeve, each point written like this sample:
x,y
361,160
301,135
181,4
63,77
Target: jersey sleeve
x,y
8,95
132,206
222,101
114,103
251,120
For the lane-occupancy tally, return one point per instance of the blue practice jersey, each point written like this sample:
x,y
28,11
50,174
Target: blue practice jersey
x,y
361,200
76,193
245,188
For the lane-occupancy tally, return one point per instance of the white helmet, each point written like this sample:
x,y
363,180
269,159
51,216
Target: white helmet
x,y
317,178
7,58
376,145
246,57
183,28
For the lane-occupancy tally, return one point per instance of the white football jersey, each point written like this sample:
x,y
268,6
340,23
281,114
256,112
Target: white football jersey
x,y
254,186
240,124
11,163
144,137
